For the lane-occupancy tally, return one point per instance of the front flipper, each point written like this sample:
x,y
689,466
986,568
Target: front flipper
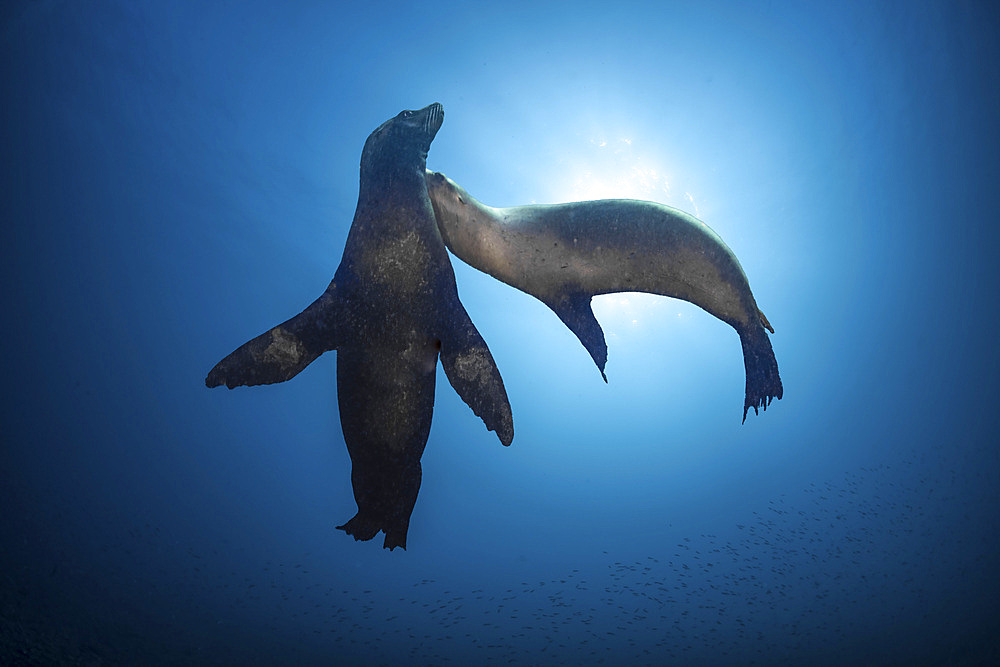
x,y
575,312
281,353
474,375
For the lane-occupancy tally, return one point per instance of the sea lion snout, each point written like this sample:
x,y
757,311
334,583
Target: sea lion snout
x,y
429,119
435,116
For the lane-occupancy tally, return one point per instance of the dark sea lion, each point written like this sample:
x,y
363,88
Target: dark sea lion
x,y
565,254
391,308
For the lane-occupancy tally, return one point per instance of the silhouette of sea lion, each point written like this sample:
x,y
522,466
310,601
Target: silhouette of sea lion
x,y
391,308
565,254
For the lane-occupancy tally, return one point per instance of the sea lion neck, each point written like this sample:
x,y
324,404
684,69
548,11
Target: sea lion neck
x,y
392,181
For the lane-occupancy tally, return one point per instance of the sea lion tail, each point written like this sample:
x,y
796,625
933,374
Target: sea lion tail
x,y
282,352
763,382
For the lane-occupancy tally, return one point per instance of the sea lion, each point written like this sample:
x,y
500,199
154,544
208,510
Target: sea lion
x,y
391,308
565,254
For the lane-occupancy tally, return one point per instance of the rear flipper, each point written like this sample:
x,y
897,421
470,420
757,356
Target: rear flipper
x,y
763,383
362,526
281,353
473,373
385,493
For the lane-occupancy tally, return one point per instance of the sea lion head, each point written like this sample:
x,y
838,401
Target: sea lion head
x,y
402,141
449,199
453,207
463,221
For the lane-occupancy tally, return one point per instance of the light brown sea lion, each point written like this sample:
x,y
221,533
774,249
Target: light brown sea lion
x,y
565,254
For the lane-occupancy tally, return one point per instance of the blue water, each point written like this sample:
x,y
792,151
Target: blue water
x,y
179,177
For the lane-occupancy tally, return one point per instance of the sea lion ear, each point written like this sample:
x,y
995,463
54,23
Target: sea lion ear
x,y
764,322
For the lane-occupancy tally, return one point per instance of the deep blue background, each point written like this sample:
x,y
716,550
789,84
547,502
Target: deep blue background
x,y
179,177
